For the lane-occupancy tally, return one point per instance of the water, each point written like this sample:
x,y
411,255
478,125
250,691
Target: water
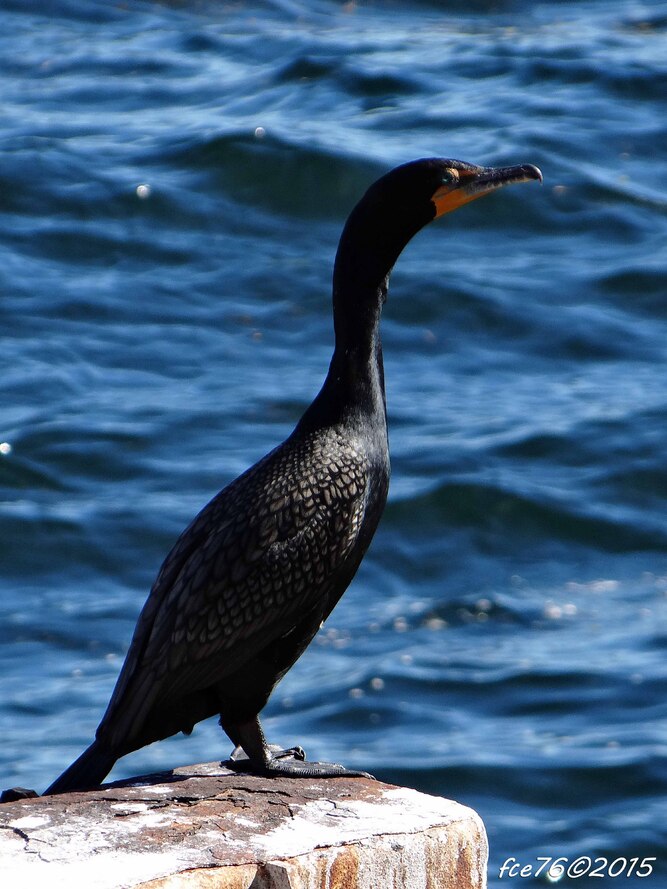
x,y
504,642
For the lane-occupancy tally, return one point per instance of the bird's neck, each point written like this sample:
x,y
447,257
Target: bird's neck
x,y
353,392
356,372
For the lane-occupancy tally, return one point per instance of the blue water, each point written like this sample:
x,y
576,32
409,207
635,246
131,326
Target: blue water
x,y
173,181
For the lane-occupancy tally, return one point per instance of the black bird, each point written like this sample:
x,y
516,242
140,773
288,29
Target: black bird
x,y
250,580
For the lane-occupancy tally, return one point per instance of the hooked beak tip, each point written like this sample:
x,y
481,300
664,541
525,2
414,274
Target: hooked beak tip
x,y
533,172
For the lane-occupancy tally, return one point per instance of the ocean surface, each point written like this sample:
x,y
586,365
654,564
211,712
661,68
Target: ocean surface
x,y
173,180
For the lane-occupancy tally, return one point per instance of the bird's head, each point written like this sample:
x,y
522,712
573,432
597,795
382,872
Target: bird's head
x,y
389,214
420,191
406,199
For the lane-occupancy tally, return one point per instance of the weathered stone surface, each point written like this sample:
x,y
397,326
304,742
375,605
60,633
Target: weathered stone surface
x,y
206,827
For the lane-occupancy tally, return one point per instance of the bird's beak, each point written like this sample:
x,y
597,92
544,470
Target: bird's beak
x,y
468,185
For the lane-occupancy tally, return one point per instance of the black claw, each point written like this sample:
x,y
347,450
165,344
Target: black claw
x,y
293,753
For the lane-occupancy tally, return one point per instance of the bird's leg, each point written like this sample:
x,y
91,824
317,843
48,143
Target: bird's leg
x,y
252,748
254,754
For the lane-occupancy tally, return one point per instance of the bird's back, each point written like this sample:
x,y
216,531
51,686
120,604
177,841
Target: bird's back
x,y
272,551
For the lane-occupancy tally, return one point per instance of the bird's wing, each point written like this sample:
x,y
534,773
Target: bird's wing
x,y
262,554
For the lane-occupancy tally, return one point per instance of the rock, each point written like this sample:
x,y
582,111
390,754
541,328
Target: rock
x,y
210,827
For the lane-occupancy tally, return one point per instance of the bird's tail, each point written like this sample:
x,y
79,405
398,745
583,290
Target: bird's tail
x,y
89,770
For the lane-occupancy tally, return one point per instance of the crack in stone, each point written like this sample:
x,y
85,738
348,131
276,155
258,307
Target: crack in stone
x,y
27,839
17,830
149,808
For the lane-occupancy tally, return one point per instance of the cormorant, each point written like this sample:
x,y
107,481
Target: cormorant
x,y
251,579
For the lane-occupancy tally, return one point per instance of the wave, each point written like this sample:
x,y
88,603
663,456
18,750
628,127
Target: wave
x,y
515,516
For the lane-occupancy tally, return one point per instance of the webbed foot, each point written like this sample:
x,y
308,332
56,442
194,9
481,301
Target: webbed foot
x,y
284,762
255,756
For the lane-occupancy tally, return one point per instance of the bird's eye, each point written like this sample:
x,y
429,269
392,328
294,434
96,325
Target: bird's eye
x,y
449,177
